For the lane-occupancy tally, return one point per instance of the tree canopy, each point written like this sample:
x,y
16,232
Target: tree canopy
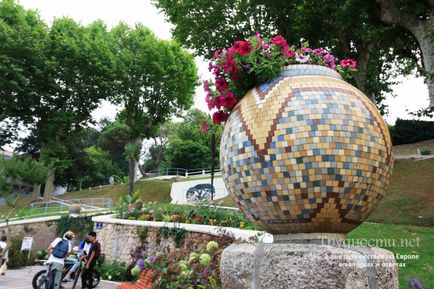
x,y
351,28
154,79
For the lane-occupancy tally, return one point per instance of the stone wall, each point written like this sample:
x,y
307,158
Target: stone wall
x,y
118,240
43,231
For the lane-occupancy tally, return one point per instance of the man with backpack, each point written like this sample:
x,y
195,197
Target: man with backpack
x,y
58,250
94,252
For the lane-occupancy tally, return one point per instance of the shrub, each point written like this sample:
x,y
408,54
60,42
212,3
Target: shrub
x,y
411,131
17,258
114,271
203,214
425,151
80,226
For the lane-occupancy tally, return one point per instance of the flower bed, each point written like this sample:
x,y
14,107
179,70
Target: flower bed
x,y
179,269
201,215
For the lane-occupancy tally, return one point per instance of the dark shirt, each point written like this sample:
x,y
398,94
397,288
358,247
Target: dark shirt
x,y
96,247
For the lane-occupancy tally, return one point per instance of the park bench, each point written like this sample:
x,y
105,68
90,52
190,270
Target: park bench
x,y
144,282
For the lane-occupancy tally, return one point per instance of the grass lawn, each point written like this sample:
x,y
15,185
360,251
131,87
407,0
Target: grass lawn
x,y
149,191
421,239
410,195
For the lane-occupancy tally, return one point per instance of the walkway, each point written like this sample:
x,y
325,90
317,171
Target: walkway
x,y
22,279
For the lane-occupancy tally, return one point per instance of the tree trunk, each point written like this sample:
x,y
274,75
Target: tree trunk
x,y
212,158
133,167
36,192
159,156
364,54
142,171
136,169
131,175
427,49
49,186
390,13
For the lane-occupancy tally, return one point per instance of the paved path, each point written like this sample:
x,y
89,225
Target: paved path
x,y
416,157
22,279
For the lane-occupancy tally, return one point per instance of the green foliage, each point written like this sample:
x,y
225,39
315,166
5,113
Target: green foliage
x,y
188,155
21,62
15,171
54,78
188,146
203,214
411,131
17,258
350,28
81,226
425,151
178,234
132,151
113,139
114,271
154,79
403,240
100,167
27,170
142,232
184,269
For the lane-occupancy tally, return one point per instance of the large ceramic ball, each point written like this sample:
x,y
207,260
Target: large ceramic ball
x,y
306,153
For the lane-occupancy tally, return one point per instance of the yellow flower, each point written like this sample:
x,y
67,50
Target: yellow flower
x,y
242,224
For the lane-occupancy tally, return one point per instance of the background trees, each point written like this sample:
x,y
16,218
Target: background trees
x,y
187,146
154,79
53,78
351,28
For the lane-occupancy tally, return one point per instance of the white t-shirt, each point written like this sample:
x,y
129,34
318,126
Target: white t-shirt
x,y
87,248
55,259
3,246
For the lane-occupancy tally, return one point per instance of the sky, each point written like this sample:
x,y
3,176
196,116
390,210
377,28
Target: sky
x,y
411,93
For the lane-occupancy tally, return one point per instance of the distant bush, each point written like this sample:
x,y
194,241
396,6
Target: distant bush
x,y
17,258
113,271
411,131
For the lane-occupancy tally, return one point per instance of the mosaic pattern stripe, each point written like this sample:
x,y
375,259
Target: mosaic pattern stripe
x,y
306,153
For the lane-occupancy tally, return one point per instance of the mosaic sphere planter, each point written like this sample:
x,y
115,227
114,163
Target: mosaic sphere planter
x,y
306,153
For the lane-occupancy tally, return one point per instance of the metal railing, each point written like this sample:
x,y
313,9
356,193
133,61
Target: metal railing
x,y
181,172
60,205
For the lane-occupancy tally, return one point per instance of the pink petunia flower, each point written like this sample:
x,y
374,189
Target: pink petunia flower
x,y
209,101
236,47
329,60
216,54
204,127
228,100
219,117
302,58
221,84
318,51
348,62
245,48
206,86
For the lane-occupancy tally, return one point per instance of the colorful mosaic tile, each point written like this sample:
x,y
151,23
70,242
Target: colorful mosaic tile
x,y
306,153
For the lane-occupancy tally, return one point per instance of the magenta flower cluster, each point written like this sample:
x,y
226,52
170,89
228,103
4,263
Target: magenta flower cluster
x,y
254,60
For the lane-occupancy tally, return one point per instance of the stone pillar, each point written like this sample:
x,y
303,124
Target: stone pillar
x,y
307,266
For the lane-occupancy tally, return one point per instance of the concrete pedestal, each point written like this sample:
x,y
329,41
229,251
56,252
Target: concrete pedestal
x,y
307,266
